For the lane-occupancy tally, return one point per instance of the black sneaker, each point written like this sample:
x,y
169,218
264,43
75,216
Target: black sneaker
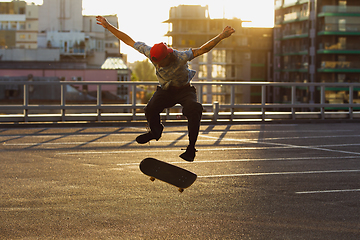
x,y
146,137
189,154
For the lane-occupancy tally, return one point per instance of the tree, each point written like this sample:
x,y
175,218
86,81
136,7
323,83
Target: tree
x,y
144,71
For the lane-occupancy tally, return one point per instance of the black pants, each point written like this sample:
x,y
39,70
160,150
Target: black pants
x,y
162,99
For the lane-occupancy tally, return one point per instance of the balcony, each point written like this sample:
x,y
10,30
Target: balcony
x,y
294,50
296,67
353,11
339,66
296,16
338,48
339,29
296,33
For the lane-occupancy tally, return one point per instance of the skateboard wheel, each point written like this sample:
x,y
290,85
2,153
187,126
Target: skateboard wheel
x,y
152,179
181,190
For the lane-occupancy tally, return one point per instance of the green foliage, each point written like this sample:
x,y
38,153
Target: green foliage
x,y
134,78
143,71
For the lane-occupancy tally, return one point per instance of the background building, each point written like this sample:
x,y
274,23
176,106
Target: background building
x,y
56,31
56,41
315,41
26,36
261,46
12,19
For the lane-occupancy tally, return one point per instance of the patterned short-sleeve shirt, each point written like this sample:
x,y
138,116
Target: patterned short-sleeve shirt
x,y
177,73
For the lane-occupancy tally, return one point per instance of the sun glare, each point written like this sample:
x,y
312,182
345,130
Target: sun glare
x,y
139,20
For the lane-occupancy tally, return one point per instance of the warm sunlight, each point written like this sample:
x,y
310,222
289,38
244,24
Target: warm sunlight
x,y
142,20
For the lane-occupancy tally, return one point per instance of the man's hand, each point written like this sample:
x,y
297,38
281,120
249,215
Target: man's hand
x,y
213,42
117,33
227,32
102,21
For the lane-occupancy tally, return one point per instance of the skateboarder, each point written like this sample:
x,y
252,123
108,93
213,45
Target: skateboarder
x,y
174,77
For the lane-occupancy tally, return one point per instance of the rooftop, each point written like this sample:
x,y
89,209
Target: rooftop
x,y
114,63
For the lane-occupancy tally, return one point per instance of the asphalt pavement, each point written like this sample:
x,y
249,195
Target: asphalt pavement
x,y
262,181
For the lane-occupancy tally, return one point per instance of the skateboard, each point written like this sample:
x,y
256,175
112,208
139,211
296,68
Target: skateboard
x,y
168,173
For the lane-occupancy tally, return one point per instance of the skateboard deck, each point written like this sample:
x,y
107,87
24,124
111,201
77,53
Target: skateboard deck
x,y
168,173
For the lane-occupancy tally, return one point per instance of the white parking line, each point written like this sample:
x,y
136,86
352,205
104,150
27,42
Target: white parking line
x,y
329,191
278,173
248,160
261,141
170,141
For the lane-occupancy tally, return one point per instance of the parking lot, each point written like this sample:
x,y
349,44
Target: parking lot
x,y
262,181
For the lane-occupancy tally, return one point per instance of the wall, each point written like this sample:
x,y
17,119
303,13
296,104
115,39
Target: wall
x,y
30,54
69,75
61,15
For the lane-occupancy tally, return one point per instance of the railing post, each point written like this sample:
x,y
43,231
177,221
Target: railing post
x,y
232,102
200,92
133,98
26,102
322,101
99,102
63,100
263,102
167,116
293,101
215,111
351,101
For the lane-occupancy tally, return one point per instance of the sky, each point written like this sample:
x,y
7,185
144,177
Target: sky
x,y
142,19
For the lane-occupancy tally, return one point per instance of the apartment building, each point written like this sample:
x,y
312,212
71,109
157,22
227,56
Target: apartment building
x,y
18,25
27,34
316,41
14,7
54,25
12,19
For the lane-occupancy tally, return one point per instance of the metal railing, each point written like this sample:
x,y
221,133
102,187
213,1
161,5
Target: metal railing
x,y
340,9
214,112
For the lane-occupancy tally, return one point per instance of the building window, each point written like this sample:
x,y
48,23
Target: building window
x,y
342,25
122,90
342,42
13,25
341,77
218,71
233,71
342,6
202,71
219,56
122,78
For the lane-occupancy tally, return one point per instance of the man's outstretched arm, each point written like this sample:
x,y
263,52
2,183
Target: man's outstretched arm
x,y
117,33
213,42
